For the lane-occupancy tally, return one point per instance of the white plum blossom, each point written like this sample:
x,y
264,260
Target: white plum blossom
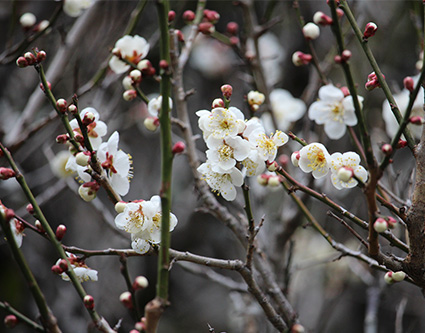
x,y
334,111
316,159
350,161
286,109
58,164
116,163
222,182
83,272
402,100
254,164
132,49
72,167
221,123
223,154
95,130
143,221
154,105
265,145
75,8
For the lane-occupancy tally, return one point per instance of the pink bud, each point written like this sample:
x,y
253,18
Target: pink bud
x,y
408,83
60,232
88,302
180,35
49,85
217,103
370,30
61,104
30,209
140,283
227,91
56,269
89,118
345,91
72,109
171,15
211,15
401,144
125,299
283,159
338,59
6,173
232,28
299,58
188,16
416,120
272,166
234,40
207,28
164,64
339,12
22,62
178,147
63,265
10,321
380,225
30,58
346,55
129,95
9,214
62,138
322,19
41,55
39,226
391,222
387,149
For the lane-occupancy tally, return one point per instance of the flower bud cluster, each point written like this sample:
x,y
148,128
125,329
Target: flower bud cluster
x,y
30,59
393,277
372,82
383,224
255,99
81,270
299,58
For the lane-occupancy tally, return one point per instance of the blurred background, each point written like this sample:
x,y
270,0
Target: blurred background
x,y
330,293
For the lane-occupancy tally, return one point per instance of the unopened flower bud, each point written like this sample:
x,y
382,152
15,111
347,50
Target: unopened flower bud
x,y
283,160
61,104
297,328
380,225
263,179
401,144
10,321
345,55
273,166
82,158
416,120
139,326
370,30
27,20
6,173
178,147
179,34
311,31
60,232
42,25
408,83
49,86
372,82
140,283
299,58
120,206
164,64
392,222
136,76
345,91
234,40
125,299
217,103
129,95
30,209
211,16
56,269
39,226
322,19
72,109
207,28
151,123
338,59
188,16
62,138
88,191
30,58
227,91
89,118
171,15
9,214
41,56
295,158
387,149
255,98
273,181
143,65
88,302
339,12
232,28
398,276
22,62
63,265
344,174
388,277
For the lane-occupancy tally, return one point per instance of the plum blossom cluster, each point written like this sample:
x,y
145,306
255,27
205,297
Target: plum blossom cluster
x,y
345,168
236,147
334,110
115,163
16,226
142,219
81,270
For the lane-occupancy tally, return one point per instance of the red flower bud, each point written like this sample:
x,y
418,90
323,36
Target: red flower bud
x,y
56,269
10,321
88,302
125,299
211,16
408,83
30,58
207,28
227,91
322,19
62,138
387,149
178,147
62,105
41,55
345,91
30,209
9,214
63,265
401,144
6,173
49,85
179,35
416,120
164,64
232,28
370,30
171,15
188,16
22,62
140,283
60,232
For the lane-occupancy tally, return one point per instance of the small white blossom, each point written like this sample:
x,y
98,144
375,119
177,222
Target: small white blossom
x,y
96,130
255,99
315,158
59,162
116,163
154,105
132,49
221,123
311,31
286,109
83,272
27,20
349,161
223,154
75,8
265,145
222,182
334,111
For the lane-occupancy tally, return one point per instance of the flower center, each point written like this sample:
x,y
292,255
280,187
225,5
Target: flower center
x,y
135,58
317,159
108,164
135,219
225,153
267,144
337,112
90,130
